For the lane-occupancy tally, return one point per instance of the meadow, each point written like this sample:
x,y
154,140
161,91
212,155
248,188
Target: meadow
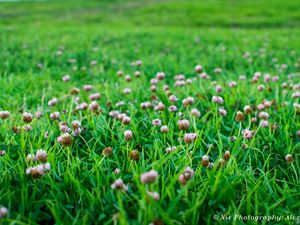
x,y
149,112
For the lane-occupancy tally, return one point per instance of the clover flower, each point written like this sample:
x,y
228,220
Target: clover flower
x,y
217,99
27,117
54,116
187,174
65,139
156,122
4,114
119,185
52,102
248,134
154,195
183,124
3,212
149,177
128,135
190,137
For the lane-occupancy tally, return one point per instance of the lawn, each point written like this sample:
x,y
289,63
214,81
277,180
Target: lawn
x,y
105,117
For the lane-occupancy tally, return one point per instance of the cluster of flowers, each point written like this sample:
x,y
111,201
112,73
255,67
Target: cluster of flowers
x,y
40,169
146,178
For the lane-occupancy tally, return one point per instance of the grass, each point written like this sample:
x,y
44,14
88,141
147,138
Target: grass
x,y
169,36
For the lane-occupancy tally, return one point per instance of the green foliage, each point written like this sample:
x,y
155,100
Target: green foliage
x,y
169,36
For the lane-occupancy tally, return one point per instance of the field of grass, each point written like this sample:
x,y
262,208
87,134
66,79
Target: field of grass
x,y
243,109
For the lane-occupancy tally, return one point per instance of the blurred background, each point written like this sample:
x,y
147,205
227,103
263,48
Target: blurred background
x,y
152,13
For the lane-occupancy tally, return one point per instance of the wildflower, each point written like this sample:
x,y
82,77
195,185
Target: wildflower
x,y
183,124
63,127
134,155
52,102
172,108
94,106
119,185
264,123
190,137
114,114
247,134
120,73
126,120
217,70
120,103
2,152
27,127
128,78
171,149
173,98
188,101
137,73
145,105
75,91
27,117
41,155
87,87
187,174
3,212
248,109
83,106
195,113
260,106
222,112
121,116
54,116
221,163
139,63
160,75
117,171
156,122
198,69
204,76
205,160
242,77
127,91
76,131
239,116
149,177
66,78
65,139
107,151
232,84
76,124
267,104
159,107
218,88
226,155
39,170
164,129
4,114
153,81
38,114
94,96
30,157
217,99
154,195
128,135
260,87
289,158
263,115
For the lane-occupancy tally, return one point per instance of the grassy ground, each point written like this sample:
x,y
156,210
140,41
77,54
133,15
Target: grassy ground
x,y
38,39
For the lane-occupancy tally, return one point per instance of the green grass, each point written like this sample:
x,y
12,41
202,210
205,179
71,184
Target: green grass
x,y
169,36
